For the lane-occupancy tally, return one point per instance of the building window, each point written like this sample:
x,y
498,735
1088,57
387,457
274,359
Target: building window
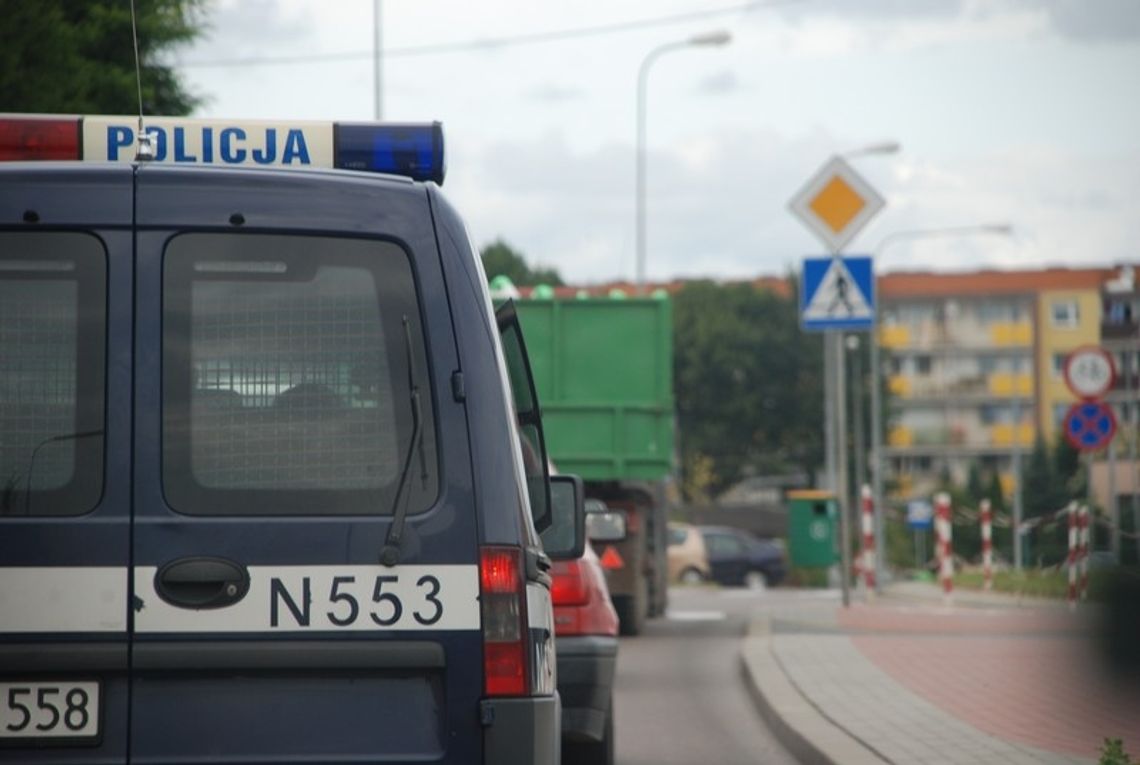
x,y
1059,364
1065,313
922,365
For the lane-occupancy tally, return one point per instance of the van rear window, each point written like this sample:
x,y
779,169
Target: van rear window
x,y
285,376
52,336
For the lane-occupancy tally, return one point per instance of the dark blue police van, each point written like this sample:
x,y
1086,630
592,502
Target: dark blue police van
x,y
272,473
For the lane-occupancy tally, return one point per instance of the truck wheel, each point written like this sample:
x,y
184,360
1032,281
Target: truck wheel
x,y
631,611
592,752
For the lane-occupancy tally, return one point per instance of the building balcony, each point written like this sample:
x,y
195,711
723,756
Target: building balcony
x,y
937,335
999,385
972,437
1119,330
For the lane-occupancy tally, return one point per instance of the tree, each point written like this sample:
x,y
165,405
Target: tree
x,y
500,259
77,56
747,383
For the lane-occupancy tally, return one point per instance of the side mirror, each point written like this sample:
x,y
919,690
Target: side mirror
x,y
565,538
606,525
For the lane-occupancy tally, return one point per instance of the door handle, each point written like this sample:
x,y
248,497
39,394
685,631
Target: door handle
x,y
202,582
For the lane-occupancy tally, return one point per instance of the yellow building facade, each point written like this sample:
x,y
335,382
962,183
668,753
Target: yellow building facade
x,y
970,358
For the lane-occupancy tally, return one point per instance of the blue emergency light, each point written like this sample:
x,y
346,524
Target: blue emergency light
x,y
413,150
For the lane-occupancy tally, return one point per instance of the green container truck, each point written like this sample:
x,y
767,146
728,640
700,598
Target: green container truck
x,y
604,371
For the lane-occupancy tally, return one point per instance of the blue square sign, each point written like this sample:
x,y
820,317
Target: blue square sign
x,y
838,293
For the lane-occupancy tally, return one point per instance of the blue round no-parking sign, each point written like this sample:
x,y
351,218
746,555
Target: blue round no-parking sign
x,y
1090,425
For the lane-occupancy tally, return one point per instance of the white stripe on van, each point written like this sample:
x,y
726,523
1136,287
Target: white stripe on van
x,y
63,599
326,598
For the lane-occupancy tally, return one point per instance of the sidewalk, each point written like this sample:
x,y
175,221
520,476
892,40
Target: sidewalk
x,y
906,680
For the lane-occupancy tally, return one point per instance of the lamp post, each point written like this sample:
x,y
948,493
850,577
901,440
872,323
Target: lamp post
x,y
377,56
831,450
718,37
998,229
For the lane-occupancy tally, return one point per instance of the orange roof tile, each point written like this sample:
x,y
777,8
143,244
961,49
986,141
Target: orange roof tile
x,y
906,284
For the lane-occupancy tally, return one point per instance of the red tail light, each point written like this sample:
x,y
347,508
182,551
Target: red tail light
x,y
568,587
503,598
31,138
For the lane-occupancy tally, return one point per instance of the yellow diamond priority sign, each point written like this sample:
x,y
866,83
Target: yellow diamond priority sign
x,y
836,203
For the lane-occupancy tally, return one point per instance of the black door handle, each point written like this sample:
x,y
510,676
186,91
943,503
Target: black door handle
x,y
202,582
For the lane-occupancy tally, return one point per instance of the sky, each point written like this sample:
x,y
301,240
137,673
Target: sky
x,y
1018,112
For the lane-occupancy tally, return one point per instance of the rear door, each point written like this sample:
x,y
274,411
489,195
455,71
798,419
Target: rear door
x,y
65,394
288,408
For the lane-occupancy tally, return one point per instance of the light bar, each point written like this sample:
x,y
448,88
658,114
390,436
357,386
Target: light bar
x,y
411,150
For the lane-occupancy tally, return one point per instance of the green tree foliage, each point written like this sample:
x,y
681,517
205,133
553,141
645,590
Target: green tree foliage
x,y
747,382
500,259
77,56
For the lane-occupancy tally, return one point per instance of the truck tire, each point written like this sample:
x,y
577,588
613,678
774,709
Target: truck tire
x,y
633,610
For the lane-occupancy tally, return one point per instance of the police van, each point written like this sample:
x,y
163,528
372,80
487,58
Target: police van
x,y
273,486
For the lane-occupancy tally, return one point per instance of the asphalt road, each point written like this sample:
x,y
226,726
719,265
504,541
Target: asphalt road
x,y
680,697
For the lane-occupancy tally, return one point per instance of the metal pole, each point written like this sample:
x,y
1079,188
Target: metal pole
x,y
842,493
1113,502
1018,551
857,411
877,460
1134,410
377,55
719,37
829,449
642,86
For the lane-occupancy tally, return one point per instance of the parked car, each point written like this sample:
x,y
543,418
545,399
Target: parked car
x,y
688,559
586,630
737,558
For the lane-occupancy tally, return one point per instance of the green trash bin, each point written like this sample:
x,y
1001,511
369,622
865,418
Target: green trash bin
x,y
812,538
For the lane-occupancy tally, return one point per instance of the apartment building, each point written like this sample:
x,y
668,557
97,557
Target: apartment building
x,y
974,366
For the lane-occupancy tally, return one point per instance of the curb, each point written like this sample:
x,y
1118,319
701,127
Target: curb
x,y
807,735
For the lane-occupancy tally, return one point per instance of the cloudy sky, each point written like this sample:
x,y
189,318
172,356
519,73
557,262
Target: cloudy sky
x,y
1024,112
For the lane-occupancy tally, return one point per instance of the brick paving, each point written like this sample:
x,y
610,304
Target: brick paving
x,y
1032,678
898,724
996,681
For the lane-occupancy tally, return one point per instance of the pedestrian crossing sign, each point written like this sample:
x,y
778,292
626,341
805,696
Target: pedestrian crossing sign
x,y
837,293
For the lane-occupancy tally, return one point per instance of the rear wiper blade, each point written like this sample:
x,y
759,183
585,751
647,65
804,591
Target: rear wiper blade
x,y
35,451
390,553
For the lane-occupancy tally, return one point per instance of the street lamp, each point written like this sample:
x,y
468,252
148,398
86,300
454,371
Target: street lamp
x,y
717,37
882,147
995,229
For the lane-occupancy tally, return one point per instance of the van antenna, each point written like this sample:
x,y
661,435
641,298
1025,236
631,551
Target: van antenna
x,y
146,148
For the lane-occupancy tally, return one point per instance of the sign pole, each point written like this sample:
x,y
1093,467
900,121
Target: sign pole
x,y
841,490
829,414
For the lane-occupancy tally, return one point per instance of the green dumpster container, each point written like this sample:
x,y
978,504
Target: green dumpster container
x,y
812,518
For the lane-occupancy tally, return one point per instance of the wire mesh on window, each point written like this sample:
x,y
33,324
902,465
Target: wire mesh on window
x,y
38,330
292,386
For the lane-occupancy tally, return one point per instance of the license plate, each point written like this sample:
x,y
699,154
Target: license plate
x,y
55,709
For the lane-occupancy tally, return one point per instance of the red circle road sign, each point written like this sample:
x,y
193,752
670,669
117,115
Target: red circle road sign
x,y
1089,425
1089,372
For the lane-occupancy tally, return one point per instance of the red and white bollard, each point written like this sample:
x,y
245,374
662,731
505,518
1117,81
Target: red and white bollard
x,y
1073,552
945,545
987,544
868,541
1083,552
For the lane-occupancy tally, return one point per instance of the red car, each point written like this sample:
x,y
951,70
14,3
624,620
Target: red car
x,y
586,629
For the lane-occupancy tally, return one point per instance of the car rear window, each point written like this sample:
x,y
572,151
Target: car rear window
x,y
52,338
285,376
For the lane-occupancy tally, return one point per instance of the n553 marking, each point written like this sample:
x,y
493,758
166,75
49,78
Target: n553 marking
x,y
385,608
326,598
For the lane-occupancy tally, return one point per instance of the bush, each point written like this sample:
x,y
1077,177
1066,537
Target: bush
x,y
1112,753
